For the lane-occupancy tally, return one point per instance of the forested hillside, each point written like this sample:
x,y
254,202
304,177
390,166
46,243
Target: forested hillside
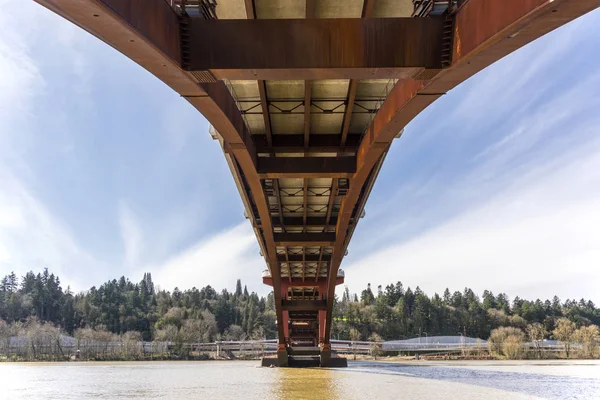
x,y
391,312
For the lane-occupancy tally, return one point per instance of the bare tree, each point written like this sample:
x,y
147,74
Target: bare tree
x,y
375,347
5,334
536,333
131,345
354,337
564,333
508,341
234,332
589,338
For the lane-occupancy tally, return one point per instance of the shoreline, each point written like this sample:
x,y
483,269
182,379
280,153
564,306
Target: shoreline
x,y
382,360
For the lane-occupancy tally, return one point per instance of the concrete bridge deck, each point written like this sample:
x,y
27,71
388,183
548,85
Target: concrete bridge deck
x,y
305,98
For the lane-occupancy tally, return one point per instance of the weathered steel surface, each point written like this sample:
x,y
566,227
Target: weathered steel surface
x,y
154,19
305,257
304,305
352,87
299,283
276,74
295,144
304,239
499,35
306,167
308,222
220,108
314,48
367,12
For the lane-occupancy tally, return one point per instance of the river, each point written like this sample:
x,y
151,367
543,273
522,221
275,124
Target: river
x,y
245,380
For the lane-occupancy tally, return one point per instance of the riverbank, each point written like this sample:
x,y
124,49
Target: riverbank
x,y
194,356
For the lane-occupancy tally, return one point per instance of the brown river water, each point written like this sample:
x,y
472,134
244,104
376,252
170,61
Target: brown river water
x,y
246,380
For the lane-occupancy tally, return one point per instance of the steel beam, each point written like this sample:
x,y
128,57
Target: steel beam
x,y
304,239
294,144
310,222
307,258
367,12
352,87
307,106
315,48
306,167
304,305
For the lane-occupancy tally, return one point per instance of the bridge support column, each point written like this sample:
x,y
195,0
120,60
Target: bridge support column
x,y
286,325
322,322
282,355
325,354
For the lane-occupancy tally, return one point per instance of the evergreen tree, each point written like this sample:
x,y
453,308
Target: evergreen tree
x,y
238,288
123,306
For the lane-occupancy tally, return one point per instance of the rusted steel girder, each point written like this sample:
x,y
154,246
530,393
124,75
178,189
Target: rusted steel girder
x,y
304,305
307,258
294,144
315,48
305,239
367,12
306,167
148,33
310,222
320,284
484,32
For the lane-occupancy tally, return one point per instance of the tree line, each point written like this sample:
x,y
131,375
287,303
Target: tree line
x,y
203,315
394,312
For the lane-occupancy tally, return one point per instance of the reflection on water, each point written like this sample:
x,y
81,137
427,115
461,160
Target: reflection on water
x,y
244,380
313,383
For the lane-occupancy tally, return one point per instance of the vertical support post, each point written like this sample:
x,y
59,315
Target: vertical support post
x,y
322,322
325,355
282,355
286,325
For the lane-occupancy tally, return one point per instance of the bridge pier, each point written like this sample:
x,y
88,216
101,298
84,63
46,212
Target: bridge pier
x,y
325,356
282,355
303,322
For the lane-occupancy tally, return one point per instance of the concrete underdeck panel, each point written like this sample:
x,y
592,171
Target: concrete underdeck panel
x,y
393,8
270,9
338,9
231,9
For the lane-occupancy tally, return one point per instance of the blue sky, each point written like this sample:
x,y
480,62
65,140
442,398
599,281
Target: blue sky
x,y
104,171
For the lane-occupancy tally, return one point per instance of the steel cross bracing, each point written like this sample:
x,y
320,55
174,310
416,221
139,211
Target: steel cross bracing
x,y
306,109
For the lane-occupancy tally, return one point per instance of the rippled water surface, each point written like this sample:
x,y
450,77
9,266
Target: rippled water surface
x,y
245,380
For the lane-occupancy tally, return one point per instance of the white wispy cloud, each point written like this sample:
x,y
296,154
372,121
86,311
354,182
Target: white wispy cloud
x,y
132,236
31,236
536,238
217,261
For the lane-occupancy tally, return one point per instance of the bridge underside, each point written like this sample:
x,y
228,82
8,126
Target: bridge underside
x,y
305,98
